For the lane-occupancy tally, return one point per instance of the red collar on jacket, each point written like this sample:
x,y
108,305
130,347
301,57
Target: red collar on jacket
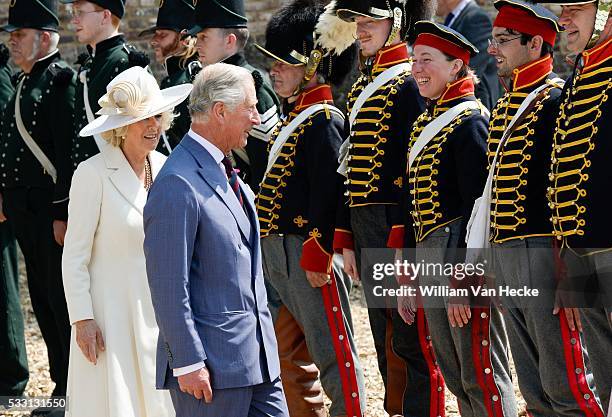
x,y
532,73
321,93
460,88
597,55
389,56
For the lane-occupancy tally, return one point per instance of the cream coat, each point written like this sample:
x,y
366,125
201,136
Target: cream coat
x,y
105,280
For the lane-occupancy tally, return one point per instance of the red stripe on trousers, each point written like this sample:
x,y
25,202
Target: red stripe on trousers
x,y
482,359
342,348
435,376
574,360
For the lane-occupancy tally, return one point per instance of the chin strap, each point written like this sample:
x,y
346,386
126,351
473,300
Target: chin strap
x,y
397,26
603,12
312,65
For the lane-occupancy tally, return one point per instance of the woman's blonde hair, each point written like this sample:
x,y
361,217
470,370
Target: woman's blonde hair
x,y
116,136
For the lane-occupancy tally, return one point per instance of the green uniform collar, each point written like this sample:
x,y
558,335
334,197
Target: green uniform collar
x,y
43,63
106,44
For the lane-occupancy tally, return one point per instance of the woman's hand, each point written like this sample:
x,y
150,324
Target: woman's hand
x,y
89,339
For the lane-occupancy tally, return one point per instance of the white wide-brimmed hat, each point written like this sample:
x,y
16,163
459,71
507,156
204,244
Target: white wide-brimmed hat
x,y
132,96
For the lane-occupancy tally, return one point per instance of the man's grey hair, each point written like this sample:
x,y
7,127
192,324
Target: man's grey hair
x,y
54,38
216,83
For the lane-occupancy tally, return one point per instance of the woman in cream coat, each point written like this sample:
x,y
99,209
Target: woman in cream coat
x,y
114,333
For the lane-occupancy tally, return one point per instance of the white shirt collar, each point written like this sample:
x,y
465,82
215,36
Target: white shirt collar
x,y
457,10
212,149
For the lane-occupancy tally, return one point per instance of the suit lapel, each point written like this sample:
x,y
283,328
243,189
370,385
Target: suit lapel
x,y
214,177
123,177
462,15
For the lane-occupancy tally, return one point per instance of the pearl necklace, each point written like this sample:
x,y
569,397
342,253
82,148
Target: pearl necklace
x,y
148,181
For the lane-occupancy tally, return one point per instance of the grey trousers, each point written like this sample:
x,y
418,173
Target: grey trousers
x,y
473,358
281,261
595,274
413,384
550,359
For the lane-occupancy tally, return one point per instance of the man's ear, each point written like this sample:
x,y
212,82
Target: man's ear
x,y
535,44
45,38
230,40
219,110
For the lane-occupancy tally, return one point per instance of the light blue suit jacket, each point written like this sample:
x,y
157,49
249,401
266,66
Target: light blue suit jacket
x,y
204,269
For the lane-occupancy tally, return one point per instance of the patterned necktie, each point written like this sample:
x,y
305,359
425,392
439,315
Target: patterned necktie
x,y
448,19
232,178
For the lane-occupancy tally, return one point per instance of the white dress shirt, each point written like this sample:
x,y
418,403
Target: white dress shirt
x,y
457,11
218,157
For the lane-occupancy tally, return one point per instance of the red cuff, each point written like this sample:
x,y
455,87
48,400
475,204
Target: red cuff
x,y
314,257
396,237
343,239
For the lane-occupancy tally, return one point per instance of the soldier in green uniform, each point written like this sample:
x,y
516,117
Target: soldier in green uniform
x,y
176,52
221,29
96,25
35,166
14,366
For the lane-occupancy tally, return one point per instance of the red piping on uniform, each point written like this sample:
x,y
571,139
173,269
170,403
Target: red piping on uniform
x,y
335,321
435,376
574,360
481,356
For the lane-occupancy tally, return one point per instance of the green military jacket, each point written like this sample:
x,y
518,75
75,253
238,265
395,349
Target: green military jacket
x,y
46,104
252,160
6,85
178,73
98,68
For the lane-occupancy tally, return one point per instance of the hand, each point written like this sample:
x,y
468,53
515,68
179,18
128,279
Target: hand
x,y
197,383
2,216
407,307
459,314
317,279
89,339
403,275
59,231
571,314
350,264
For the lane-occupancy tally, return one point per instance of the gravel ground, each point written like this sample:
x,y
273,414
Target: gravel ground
x,y
41,385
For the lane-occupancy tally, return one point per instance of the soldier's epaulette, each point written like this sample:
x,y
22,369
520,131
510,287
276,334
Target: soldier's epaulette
x,y
136,56
258,78
82,59
4,55
61,74
193,69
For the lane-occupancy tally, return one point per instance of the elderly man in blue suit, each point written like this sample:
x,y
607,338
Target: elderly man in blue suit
x,y
217,351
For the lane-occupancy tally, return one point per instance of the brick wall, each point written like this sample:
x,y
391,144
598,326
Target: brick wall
x,y
141,14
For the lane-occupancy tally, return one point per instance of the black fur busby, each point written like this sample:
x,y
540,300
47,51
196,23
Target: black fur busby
x,y
304,26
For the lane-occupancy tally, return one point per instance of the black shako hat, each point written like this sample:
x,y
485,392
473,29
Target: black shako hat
x,y
404,13
175,15
32,14
444,39
116,7
219,14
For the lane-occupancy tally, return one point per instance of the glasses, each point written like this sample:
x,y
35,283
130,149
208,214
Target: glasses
x,y
496,44
78,14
